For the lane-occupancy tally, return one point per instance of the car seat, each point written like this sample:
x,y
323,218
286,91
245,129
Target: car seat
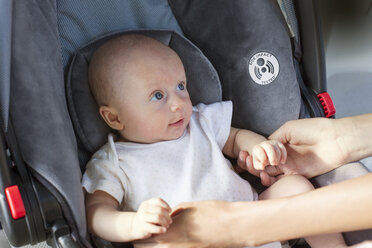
x,y
42,149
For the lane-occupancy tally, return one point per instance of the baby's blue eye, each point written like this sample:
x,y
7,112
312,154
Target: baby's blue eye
x,y
157,96
181,86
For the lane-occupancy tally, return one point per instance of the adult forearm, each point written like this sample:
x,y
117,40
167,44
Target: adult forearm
x,y
340,207
355,136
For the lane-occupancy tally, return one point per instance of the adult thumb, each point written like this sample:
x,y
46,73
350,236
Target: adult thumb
x,y
281,134
267,180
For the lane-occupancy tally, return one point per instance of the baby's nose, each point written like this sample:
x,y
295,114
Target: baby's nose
x,y
177,104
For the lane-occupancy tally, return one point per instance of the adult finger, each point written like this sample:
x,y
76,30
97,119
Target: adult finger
x,y
267,180
282,134
241,161
250,168
273,170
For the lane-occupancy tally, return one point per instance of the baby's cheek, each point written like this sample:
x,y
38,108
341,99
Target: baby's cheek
x,y
156,127
189,111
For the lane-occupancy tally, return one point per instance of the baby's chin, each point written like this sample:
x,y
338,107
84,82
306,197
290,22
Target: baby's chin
x,y
176,136
167,135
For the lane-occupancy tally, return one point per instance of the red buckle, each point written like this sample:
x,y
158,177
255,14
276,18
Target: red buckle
x,y
15,202
327,103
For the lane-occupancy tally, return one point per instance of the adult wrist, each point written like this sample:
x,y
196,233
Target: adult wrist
x,y
234,217
340,128
355,137
359,132
251,221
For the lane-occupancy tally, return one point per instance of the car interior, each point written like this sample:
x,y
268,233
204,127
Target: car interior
x,y
292,59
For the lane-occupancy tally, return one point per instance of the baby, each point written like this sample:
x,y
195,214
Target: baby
x,y
167,151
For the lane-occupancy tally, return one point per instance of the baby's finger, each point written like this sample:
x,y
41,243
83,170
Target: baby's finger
x,y
161,212
272,152
154,229
259,157
160,203
161,220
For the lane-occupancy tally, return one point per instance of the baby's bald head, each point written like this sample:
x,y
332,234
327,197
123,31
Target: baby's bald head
x,y
115,60
140,87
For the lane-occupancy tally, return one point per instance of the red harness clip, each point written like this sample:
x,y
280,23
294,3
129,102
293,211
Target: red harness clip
x,y
327,103
16,206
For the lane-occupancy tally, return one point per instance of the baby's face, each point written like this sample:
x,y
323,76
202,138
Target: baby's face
x,y
155,105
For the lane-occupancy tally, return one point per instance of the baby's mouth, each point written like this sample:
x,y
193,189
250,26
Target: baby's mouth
x,y
177,123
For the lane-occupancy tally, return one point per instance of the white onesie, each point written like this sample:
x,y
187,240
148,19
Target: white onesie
x,y
189,168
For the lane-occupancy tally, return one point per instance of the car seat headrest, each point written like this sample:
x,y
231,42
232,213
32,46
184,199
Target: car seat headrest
x,y
203,83
248,43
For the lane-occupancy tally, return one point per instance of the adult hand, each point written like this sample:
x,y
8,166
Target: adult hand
x,y
313,147
195,224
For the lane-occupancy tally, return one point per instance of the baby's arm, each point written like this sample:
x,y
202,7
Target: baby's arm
x,y
106,221
254,151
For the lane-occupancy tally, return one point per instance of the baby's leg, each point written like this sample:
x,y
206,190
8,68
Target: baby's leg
x,y
287,186
293,185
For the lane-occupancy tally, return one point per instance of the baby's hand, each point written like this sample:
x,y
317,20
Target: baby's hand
x,y
152,217
268,152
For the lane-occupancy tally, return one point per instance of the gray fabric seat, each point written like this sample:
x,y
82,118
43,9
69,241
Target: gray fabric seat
x,y
80,22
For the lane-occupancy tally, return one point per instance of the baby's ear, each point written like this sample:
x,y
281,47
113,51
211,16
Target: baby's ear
x,y
111,117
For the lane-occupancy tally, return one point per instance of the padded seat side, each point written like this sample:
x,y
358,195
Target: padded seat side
x,y
38,108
